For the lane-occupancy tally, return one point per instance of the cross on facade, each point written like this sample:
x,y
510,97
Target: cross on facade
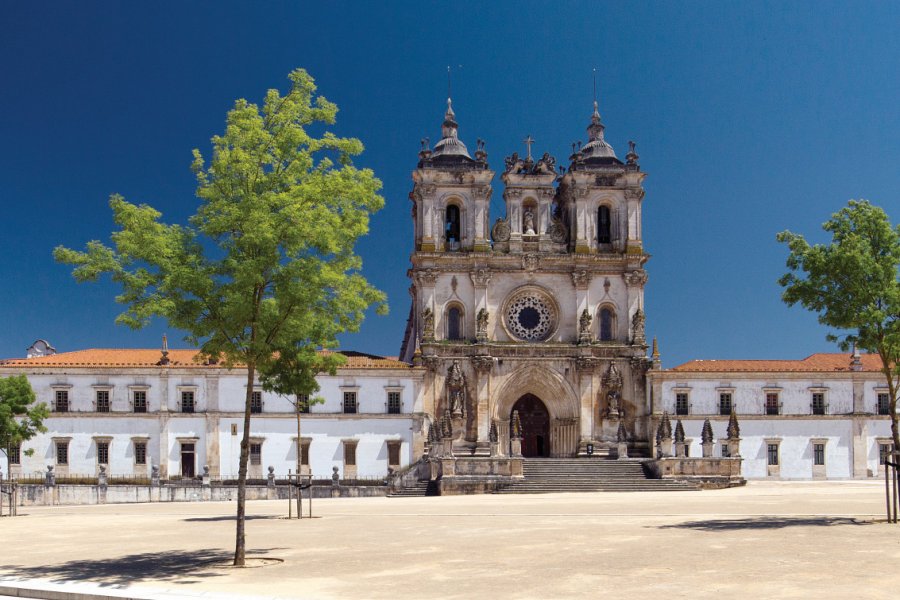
x,y
528,142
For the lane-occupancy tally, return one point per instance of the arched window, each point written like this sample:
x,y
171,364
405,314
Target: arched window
x,y
607,321
451,223
454,324
604,226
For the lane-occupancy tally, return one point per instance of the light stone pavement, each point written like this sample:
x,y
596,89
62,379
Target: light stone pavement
x,y
768,539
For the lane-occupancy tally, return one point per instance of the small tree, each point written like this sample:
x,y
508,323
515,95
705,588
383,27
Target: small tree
x,y
852,284
265,273
20,418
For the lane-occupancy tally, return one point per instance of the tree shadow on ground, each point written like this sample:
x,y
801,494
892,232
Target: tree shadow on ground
x,y
227,518
764,523
183,566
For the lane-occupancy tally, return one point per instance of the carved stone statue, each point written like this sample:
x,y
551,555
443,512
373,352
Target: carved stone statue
x,y
557,231
612,383
584,326
513,163
481,324
515,426
493,436
427,324
528,222
500,231
637,327
546,164
456,390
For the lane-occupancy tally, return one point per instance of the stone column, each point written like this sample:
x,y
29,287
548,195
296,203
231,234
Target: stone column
x,y
163,458
586,369
483,364
211,417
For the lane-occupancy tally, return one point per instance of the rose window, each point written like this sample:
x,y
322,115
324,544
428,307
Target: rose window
x,y
530,316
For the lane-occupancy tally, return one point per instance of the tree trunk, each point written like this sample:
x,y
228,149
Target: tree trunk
x,y
240,546
299,463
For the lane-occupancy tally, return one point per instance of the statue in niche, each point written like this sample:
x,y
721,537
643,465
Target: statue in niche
x,y
637,327
456,390
427,324
612,382
481,322
528,222
584,324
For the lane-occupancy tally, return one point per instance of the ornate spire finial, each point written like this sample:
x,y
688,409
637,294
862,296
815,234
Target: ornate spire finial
x,y
706,435
734,430
164,351
679,432
855,361
655,353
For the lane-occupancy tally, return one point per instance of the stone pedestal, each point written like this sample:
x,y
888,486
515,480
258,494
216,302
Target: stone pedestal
x,y
495,448
665,447
515,447
622,450
680,450
734,447
707,449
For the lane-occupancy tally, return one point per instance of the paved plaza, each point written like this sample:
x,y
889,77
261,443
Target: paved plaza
x,y
768,539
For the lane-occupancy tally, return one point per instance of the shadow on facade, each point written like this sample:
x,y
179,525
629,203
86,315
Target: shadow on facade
x,y
764,523
183,566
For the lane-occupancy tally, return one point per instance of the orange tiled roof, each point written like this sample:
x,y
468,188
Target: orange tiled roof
x,y
143,357
821,362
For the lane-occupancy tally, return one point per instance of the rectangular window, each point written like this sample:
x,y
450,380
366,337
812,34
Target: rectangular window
x,y
884,450
772,404
884,404
140,401
62,401
14,454
304,453
818,403
725,404
681,403
256,402
349,402
62,453
187,402
255,454
772,455
140,453
103,401
350,454
103,453
393,453
819,454
394,403
303,402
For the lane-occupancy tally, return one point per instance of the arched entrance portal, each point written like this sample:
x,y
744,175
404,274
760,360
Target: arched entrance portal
x,y
535,425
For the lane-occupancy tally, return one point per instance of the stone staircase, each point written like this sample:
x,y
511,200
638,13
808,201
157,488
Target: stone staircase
x,y
546,475
418,489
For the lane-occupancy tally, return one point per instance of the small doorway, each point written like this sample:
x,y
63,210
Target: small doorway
x,y
187,460
535,421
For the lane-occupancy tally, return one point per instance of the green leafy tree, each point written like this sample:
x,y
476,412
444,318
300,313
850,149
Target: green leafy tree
x,y
265,272
20,417
852,284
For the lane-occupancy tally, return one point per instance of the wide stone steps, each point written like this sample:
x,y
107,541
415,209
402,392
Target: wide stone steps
x,y
550,475
418,489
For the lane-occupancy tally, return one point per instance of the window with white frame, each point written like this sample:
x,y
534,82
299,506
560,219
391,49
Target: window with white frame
x,y
187,401
103,401
62,401
62,452
772,458
884,403
102,452
304,451
393,448
255,453
884,451
350,453
256,402
349,404
393,402
14,454
773,404
682,403
818,406
139,401
725,403
140,452
303,403
819,454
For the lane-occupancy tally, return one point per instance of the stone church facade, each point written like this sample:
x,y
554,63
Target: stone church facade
x,y
537,313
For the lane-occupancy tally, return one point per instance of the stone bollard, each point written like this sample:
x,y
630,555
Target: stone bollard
x,y
205,478
50,486
335,483
271,492
49,476
154,483
206,490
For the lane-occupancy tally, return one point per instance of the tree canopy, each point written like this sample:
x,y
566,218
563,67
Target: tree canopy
x,y
852,284
265,273
20,418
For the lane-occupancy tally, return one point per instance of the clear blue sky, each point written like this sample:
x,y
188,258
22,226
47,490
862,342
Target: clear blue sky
x,y
750,118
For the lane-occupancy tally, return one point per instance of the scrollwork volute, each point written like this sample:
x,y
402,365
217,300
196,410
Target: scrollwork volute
x,y
427,277
481,277
483,364
636,278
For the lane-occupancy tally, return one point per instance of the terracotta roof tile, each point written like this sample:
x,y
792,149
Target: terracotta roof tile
x,y
821,362
181,359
